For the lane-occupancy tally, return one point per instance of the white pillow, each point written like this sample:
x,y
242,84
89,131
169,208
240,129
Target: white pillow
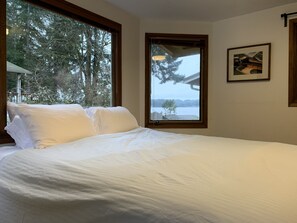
x,y
12,110
49,125
18,131
112,119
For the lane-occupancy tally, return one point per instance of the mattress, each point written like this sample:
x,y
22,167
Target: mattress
x,y
149,176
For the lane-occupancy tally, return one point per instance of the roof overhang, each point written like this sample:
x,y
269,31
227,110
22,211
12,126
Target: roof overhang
x,y
12,68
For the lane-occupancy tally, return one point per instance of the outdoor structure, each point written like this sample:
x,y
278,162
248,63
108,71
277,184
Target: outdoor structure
x,y
12,68
193,80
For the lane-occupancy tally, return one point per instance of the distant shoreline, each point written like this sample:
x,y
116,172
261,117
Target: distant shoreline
x,y
157,103
189,111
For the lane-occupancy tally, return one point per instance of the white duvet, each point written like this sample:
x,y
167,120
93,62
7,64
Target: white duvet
x,y
147,176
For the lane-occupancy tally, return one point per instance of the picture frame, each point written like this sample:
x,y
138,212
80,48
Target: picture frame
x,y
249,63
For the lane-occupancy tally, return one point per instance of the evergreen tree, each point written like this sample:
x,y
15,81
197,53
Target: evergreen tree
x,y
70,60
165,70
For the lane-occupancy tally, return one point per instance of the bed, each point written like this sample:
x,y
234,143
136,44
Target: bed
x,y
146,176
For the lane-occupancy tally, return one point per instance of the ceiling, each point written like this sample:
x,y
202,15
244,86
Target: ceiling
x,y
194,10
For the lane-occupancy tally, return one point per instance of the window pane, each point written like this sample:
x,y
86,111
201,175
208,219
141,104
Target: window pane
x,y
54,59
175,82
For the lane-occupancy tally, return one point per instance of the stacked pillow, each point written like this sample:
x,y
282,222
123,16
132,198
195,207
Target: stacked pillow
x,y
12,110
112,119
50,125
41,126
18,131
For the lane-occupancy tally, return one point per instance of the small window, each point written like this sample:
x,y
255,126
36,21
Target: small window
x,y
176,80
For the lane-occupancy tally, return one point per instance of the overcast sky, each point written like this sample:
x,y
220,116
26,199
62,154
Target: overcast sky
x,y
181,91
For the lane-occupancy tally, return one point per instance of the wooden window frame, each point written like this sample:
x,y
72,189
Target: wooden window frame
x,y
292,63
75,12
202,123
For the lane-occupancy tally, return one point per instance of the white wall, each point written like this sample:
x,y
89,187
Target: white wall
x,y
250,110
247,110
253,110
130,49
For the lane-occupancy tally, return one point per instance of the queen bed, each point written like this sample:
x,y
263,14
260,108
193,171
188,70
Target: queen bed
x,y
146,176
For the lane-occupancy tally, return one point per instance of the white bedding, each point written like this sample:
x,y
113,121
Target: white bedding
x,y
7,150
146,176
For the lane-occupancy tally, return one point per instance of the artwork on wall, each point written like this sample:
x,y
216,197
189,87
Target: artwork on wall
x,y
249,63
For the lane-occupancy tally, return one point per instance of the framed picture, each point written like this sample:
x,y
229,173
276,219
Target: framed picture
x,y
249,63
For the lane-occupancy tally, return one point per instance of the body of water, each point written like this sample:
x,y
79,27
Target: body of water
x,y
179,110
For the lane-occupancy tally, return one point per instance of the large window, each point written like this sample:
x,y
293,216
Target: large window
x,y
57,52
176,80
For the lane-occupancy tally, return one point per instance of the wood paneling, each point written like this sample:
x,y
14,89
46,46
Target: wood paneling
x,y
293,63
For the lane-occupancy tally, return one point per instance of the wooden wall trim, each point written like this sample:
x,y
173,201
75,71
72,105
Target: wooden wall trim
x,y
293,63
202,123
